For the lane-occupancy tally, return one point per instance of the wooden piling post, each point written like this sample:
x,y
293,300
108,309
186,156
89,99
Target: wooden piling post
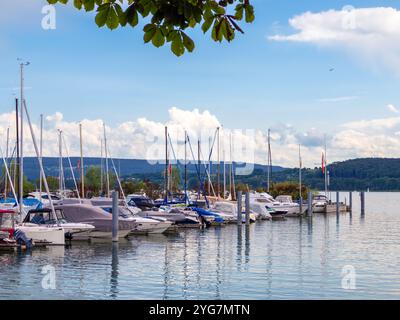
x,y
351,201
310,204
239,208
115,216
362,195
337,202
247,208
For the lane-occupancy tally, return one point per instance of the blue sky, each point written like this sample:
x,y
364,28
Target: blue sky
x,y
86,72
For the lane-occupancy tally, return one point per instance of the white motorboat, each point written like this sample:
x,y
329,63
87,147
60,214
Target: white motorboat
x,y
72,231
142,225
320,203
288,203
47,235
86,213
262,210
278,207
229,212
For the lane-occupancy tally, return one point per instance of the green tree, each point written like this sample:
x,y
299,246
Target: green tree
x,y
93,181
132,186
168,20
289,189
52,183
28,186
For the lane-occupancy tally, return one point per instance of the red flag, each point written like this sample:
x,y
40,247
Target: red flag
x,y
323,163
170,169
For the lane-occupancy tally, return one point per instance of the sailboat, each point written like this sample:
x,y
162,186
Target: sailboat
x,y
48,234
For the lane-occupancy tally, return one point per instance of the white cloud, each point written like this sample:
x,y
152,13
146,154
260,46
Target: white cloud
x,y
392,108
339,99
57,117
370,34
144,138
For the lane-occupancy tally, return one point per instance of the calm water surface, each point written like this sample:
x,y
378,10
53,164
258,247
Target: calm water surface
x,y
292,259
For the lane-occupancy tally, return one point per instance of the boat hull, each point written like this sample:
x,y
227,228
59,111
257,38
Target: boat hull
x,y
49,236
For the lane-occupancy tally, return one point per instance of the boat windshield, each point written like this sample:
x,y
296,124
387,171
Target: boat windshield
x,y
284,199
320,197
45,217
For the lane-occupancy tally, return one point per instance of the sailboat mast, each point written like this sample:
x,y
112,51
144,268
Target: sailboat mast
x,y
186,173
199,165
101,166
233,187
269,165
72,169
209,164
61,170
300,176
40,164
326,170
224,169
17,160
106,155
82,165
41,155
5,178
166,166
21,169
219,165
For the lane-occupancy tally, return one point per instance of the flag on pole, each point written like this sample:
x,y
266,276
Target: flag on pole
x,y
170,169
79,164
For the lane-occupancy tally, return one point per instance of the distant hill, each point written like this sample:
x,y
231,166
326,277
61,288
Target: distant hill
x,y
125,167
376,174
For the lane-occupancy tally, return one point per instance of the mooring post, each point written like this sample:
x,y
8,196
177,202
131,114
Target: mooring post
x,y
247,208
310,204
115,216
337,202
362,203
301,205
351,201
239,208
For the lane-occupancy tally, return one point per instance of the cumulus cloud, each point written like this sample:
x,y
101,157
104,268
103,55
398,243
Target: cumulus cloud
x,y
143,138
367,33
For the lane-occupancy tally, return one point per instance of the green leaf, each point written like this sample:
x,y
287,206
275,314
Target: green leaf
x,y
132,16
88,4
249,10
149,35
158,39
78,4
207,24
187,42
102,15
112,19
121,15
149,27
239,12
177,46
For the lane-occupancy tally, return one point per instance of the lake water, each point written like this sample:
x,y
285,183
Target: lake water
x,y
292,259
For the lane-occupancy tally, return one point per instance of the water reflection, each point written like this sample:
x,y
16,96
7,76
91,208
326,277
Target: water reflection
x,y
239,248
292,259
247,247
114,271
